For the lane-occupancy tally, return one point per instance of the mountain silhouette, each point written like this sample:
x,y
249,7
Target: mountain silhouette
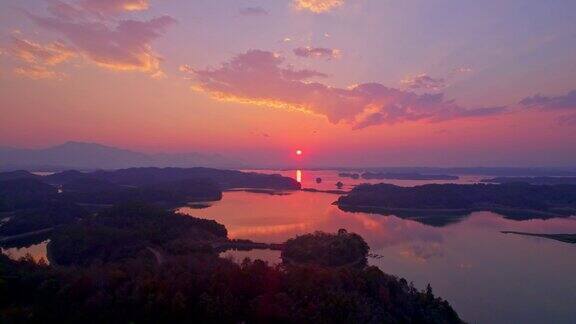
x,y
81,155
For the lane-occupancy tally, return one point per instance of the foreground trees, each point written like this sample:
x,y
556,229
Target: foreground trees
x,y
141,264
206,288
323,249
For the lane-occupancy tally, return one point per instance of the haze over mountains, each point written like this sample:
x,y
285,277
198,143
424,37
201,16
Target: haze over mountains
x,y
94,156
80,155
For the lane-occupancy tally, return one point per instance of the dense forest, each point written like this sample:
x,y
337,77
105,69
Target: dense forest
x,y
30,202
533,180
142,264
552,200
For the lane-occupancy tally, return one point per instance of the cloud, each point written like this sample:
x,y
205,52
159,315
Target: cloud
x,y
94,8
37,60
111,6
185,68
567,101
317,52
318,6
567,120
253,11
261,78
38,72
34,53
463,69
123,45
423,81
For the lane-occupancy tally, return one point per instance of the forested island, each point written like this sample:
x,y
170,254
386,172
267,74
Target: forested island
x,y
517,200
532,180
397,176
30,203
407,176
566,238
139,263
349,175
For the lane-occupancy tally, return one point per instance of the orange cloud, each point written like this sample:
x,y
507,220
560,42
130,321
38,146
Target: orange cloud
x,y
318,6
37,60
259,78
37,72
110,6
34,53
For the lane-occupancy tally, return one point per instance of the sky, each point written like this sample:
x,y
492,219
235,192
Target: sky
x,y
349,82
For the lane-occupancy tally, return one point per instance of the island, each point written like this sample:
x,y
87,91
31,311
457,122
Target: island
x,y
349,175
137,177
532,180
138,263
514,200
332,250
407,176
566,238
31,205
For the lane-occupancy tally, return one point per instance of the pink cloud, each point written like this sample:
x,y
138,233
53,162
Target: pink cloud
x,y
423,81
118,45
567,101
94,8
37,60
38,72
317,52
261,78
567,120
253,11
31,52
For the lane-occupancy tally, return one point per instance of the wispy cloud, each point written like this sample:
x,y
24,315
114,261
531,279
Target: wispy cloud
x,y
38,72
567,120
261,78
110,6
83,9
253,11
317,52
462,69
123,45
318,6
567,101
423,81
34,53
37,61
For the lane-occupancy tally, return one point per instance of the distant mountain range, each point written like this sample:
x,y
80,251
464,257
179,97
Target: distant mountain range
x,y
90,156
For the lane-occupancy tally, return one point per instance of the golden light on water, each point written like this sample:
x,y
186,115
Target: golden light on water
x,y
299,176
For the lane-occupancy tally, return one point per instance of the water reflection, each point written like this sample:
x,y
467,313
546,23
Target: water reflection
x,y
36,251
489,277
329,179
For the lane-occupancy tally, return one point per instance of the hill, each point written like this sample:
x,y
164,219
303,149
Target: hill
x,y
90,156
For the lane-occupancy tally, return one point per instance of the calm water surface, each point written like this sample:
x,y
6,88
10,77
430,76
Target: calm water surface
x,y
487,276
329,179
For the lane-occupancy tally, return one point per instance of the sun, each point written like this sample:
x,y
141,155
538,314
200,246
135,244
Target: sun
x,y
298,152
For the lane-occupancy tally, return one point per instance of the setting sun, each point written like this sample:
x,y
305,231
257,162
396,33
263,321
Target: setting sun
x,y
298,152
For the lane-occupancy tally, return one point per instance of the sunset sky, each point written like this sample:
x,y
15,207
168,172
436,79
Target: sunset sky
x,y
349,82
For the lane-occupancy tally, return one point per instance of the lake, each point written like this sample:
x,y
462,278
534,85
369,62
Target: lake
x,y
487,276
